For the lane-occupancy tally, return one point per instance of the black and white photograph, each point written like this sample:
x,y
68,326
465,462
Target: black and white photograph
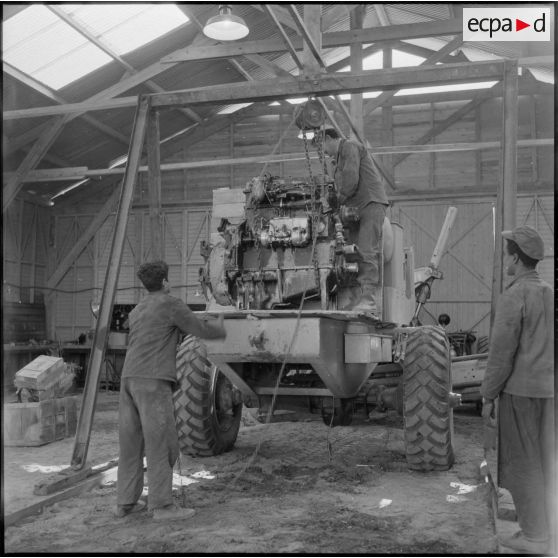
x,y
278,279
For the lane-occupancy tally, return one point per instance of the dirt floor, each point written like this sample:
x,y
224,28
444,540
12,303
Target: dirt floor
x,y
309,490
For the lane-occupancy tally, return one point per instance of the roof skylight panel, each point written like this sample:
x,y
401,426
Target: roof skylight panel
x,y
42,45
125,27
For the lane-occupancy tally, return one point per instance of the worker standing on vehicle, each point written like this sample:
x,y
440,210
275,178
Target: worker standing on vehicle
x,y
359,186
146,411
520,371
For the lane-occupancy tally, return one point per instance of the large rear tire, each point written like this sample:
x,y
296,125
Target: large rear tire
x,y
207,407
427,412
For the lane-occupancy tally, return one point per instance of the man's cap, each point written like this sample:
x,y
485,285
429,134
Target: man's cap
x,y
321,133
528,240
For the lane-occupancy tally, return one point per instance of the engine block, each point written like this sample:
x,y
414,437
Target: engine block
x,y
286,244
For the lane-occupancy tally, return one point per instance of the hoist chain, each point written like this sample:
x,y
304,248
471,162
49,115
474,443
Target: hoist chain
x,y
315,214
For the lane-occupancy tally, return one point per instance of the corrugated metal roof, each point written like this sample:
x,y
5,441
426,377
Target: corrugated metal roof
x,y
82,143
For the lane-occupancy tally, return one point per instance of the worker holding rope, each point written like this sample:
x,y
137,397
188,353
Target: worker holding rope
x,y
359,186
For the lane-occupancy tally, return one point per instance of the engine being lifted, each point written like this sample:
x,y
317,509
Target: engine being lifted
x,y
278,241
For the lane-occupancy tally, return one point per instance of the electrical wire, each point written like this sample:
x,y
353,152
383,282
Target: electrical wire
x,y
138,288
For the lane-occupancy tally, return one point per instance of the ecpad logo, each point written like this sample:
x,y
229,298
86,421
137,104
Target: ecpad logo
x,y
509,24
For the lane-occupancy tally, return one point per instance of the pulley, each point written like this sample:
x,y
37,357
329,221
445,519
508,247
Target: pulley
x,y
310,115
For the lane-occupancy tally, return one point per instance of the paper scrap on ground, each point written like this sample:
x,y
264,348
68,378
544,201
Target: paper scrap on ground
x,y
464,488
384,502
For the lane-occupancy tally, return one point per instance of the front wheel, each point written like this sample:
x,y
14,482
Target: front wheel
x,y
207,407
427,411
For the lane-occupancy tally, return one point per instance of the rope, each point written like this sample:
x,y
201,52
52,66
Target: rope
x,y
271,408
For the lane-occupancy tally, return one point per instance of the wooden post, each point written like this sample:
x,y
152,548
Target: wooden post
x,y
154,185
98,348
312,22
356,21
387,117
506,199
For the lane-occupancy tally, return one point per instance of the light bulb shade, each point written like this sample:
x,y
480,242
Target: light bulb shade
x,y
225,26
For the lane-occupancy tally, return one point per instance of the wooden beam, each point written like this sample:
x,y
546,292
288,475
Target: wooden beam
x,y
506,200
266,90
356,19
77,173
387,116
72,109
269,66
89,483
284,37
401,77
50,94
329,40
100,338
154,185
382,15
83,241
49,134
310,29
14,184
379,101
451,119
190,114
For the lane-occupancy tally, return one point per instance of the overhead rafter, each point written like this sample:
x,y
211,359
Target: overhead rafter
x,y
269,89
113,91
329,40
269,66
50,94
331,84
455,43
49,134
80,173
382,14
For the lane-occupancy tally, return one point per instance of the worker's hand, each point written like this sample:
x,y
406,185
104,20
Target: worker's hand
x,y
488,412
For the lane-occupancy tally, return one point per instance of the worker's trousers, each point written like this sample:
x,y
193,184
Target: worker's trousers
x,y
369,242
527,461
146,427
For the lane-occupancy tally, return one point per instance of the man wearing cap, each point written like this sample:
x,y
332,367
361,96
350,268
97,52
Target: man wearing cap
x,y
520,371
360,186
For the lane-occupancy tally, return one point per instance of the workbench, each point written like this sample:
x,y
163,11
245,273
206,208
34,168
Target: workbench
x,y
79,354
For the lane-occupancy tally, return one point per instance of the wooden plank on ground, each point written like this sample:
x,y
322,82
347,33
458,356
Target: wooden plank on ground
x,y
84,486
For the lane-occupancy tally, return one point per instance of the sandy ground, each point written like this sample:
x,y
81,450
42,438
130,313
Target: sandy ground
x,y
309,489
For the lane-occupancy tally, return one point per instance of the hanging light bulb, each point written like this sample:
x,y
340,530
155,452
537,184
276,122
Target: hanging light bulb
x,y
225,26
309,135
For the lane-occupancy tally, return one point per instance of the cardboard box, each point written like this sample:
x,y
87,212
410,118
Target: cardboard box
x,y
42,373
36,424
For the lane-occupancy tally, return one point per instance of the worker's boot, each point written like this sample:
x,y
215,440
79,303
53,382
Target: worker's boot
x,y
367,302
172,512
370,293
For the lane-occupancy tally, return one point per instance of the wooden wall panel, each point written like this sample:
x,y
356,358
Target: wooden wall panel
x,y
538,212
24,252
187,195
